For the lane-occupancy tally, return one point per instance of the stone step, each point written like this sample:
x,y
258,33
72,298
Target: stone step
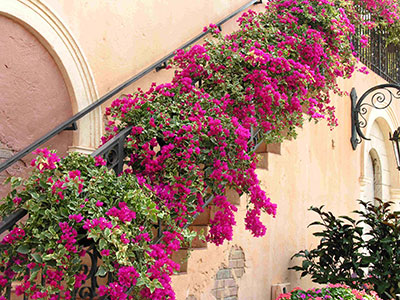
x,y
262,161
262,148
233,197
198,242
181,258
274,148
203,218
269,148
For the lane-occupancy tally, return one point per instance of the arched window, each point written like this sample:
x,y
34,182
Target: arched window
x,y
376,175
376,180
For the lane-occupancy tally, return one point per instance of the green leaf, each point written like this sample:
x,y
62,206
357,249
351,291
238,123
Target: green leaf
x,y
101,271
15,181
140,281
107,232
158,284
17,268
34,195
102,244
24,249
37,257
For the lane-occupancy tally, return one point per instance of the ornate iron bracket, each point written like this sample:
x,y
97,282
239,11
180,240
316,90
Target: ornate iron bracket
x,y
113,151
378,97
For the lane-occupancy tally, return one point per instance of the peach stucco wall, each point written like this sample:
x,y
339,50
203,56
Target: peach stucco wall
x,y
119,39
34,98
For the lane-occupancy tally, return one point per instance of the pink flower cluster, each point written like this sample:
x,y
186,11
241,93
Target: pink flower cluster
x,y
388,10
15,234
47,160
162,269
101,222
124,214
68,238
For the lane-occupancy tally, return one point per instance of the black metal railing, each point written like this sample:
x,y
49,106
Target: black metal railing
x,y
158,65
381,58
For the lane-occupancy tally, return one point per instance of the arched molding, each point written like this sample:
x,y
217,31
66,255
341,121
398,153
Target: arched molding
x,y
380,123
387,122
36,17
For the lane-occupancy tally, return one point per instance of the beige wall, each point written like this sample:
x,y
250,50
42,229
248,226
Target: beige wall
x,y
120,38
117,39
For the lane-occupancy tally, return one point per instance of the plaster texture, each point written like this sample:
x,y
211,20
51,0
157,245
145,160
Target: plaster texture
x,y
113,40
33,95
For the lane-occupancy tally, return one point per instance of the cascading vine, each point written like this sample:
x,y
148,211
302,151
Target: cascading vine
x,y
187,144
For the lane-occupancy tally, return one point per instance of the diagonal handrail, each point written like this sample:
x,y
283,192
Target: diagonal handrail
x,y
114,153
158,65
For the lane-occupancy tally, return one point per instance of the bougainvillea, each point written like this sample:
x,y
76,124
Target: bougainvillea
x,y
189,143
185,148
74,202
189,140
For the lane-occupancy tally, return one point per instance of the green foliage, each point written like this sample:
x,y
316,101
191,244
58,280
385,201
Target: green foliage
x,y
337,255
382,246
348,254
53,196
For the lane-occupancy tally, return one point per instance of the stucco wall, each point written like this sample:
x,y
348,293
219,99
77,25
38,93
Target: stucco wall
x,y
120,38
34,98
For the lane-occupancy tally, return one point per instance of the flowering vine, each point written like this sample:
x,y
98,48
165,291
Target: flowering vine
x,y
75,202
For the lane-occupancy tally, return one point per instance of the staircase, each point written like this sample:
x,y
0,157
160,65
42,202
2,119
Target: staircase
x,y
113,152
200,225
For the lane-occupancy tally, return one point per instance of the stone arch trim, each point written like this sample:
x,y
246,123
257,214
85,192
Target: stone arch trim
x,y
387,122
379,150
58,40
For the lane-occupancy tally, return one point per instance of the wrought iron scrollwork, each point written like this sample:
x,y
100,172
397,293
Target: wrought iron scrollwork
x,y
377,97
113,151
88,290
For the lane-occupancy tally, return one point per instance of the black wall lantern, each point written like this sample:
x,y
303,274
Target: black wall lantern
x,y
395,141
378,97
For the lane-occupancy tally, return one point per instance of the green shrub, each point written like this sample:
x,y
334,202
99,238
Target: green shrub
x,y
348,255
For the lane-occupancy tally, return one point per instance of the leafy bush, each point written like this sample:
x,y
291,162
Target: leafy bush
x,y
74,202
331,292
348,254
